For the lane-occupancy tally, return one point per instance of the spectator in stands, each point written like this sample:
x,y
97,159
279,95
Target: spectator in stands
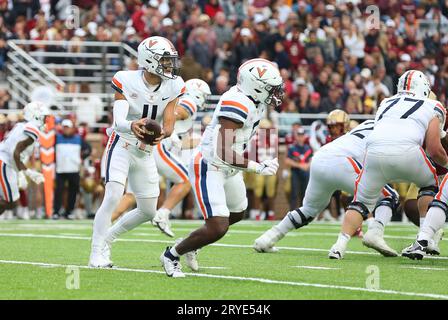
x,y
334,100
201,50
69,148
245,48
298,159
4,99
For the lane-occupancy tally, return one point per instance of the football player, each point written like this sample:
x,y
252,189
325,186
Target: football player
x,y
15,151
168,153
216,169
394,153
335,166
151,92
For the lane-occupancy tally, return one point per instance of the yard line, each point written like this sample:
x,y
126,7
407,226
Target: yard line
x,y
261,280
315,268
51,236
424,268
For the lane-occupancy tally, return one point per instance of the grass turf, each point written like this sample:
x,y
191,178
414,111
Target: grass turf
x,y
301,270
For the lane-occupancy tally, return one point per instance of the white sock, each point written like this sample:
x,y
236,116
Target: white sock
x,y
174,252
383,214
343,239
435,220
285,225
133,218
422,220
103,216
164,212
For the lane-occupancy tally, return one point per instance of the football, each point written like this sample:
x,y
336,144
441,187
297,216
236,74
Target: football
x,y
153,131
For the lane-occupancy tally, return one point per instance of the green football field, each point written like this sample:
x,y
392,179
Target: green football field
x,y
48,260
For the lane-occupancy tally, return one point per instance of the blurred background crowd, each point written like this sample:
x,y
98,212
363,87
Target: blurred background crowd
x,y
334,54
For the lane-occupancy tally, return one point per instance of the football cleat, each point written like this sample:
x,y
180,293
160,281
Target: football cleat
x,y
191,258
417,250
336,252
374,239
163,223
433,244
97,260
171,265
265,243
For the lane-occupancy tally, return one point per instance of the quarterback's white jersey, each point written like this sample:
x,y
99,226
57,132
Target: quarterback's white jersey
x,y
236,106
144,101
20,132
404,120
352,144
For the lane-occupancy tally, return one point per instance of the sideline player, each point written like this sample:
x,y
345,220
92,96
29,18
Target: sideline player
x,y
216,169
15,151
342,157
149,93
394,152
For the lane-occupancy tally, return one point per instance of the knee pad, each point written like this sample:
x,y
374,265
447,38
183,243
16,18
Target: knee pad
x,y
303,219
239,207
359,207
439,204
388,202
428,191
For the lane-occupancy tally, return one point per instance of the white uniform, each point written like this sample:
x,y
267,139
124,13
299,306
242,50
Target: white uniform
x,y
8,169
127,157
394,148
168,160
336,166
219,188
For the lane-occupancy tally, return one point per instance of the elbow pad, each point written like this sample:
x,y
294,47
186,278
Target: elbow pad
x,y
121,109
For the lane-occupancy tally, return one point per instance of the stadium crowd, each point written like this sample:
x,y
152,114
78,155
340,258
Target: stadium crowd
x,y
333,54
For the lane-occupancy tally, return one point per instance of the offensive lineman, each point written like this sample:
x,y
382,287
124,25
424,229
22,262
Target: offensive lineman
x,y
394,153
216,169
342,157
15,150
152,92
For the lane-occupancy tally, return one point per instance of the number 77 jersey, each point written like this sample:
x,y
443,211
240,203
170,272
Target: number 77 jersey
x,y
404,120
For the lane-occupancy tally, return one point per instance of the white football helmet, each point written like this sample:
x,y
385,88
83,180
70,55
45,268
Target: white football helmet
x,y
36,112
198,90
260,79
414,82
159,56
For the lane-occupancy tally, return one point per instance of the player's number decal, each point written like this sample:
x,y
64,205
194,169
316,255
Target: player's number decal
x,y
418,104
392,103
146,111
359,134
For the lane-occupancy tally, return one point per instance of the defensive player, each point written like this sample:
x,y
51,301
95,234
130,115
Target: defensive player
x,y
152,92
168,153
394,152
342,157
216,170
15,151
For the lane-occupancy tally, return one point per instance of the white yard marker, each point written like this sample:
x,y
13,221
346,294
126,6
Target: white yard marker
x,y
315,268
260,280
424,268
50,236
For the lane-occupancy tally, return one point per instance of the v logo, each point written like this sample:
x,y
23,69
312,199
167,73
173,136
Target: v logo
x,y
151,43
261,72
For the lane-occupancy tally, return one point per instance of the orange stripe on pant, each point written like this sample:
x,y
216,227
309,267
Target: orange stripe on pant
x,y
439,194
2,182
197,177
173,166
431,167
354,165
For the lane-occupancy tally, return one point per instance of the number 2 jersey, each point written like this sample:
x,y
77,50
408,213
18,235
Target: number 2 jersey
x,y
236,106
404,120
20,132
143,100
352,144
